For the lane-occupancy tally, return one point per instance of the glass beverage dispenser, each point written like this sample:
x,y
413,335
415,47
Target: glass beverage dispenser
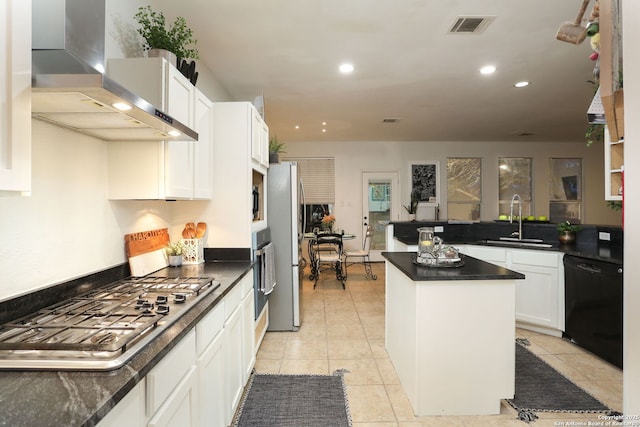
x,y
428,244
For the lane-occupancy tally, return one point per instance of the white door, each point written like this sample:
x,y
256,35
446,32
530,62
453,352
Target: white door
x,y
380,204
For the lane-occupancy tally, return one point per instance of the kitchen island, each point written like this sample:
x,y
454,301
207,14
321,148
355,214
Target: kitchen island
x,y
450,334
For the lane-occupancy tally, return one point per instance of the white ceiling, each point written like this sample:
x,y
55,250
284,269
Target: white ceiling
x,y
407,66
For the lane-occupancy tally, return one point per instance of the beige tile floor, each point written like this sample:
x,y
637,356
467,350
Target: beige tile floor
x,y
344,329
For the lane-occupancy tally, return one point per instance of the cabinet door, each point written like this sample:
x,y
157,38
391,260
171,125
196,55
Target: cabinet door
x,y
203,148
259,139
248,334
129,412
538,295
211,384
179,157
233,361
496,256
15,96
180,408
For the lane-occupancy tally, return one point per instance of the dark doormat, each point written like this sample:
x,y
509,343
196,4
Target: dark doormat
x,y
294,400
540,388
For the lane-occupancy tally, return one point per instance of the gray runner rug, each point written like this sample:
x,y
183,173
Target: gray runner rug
x,y
295,401
540,388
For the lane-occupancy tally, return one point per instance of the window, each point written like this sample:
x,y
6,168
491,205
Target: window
x,y
514,177
318,178
464,188
565,190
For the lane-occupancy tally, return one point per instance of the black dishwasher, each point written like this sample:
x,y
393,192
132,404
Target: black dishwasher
x,y
593,306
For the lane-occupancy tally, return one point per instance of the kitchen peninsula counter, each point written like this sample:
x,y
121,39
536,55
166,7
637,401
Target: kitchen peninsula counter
x,y
77,398
450,334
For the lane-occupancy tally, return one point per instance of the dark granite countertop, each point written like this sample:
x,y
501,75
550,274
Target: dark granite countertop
x,y
76,398
587,244
473,269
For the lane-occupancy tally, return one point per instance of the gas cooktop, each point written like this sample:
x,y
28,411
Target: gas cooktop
x,y
102,329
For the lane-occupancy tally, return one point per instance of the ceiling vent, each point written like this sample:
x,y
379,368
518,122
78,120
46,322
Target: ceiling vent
x,y
470,24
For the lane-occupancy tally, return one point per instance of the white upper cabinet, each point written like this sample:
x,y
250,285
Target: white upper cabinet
x,y
235,128
163,169
15,97
259,140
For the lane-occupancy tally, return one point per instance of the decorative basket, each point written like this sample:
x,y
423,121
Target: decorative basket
x,y
193,251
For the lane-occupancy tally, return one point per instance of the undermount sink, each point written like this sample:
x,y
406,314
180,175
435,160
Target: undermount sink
x,y
515,239
519,243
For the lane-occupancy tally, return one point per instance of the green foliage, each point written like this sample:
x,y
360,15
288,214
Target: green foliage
x,y
616,205
413,206
567,226
175,39
176,248
594,133
276,146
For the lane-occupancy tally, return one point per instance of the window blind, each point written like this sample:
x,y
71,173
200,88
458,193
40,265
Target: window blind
x,y
318,178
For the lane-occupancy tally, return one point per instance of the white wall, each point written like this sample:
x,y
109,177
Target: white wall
x,y
352,158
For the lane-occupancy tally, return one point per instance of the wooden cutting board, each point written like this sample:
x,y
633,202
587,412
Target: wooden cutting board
x,y
146,251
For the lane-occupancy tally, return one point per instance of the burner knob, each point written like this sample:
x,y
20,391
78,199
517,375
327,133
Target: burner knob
x,y
146,306
161,299
179,298
162,309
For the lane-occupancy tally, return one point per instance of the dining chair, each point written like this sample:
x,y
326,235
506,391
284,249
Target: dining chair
x,y
361,256
326,252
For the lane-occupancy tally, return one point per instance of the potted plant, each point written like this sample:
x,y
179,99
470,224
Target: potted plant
x,y
412,208
175,252
275,148
176,38
567,232
328,221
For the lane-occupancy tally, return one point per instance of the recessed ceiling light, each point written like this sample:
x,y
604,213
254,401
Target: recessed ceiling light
x,y
346,68
488,69
324,130
297,127
521,84
324,123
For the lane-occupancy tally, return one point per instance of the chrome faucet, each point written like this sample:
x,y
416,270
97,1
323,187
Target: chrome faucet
x,y
513,199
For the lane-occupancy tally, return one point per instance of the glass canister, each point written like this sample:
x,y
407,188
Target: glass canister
x,y
428,241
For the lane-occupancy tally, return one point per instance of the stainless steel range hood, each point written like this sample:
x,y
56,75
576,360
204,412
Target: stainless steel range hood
x,y
69,87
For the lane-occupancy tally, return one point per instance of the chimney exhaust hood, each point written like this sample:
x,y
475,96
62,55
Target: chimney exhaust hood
x,y
69,87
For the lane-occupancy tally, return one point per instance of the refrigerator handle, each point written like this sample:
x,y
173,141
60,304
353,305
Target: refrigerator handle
x,y
304,209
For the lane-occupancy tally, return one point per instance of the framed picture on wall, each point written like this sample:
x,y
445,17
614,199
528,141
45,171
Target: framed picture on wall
x,y
424,180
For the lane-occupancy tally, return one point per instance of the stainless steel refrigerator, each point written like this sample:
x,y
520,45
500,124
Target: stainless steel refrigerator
x,y
285,194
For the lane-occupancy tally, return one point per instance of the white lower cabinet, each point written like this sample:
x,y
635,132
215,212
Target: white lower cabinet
x,y
171,387
181,407
129,412
210,336
248,328
540,295
201,380
233,361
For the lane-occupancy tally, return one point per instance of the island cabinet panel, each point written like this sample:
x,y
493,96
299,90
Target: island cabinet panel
x,y
451,342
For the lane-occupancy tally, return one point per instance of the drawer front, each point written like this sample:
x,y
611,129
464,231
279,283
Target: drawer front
x,y
232,300
539,258
209,327
247,283
488,254
164,378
